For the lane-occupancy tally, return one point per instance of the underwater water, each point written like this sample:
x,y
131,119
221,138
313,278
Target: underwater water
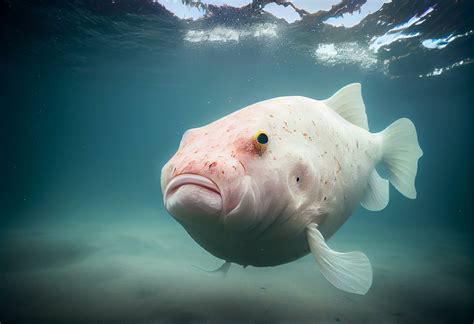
x,y
95,97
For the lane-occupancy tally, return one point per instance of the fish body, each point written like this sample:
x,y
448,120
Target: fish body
x,y
275,180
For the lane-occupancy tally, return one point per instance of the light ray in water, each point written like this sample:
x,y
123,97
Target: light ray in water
x,y
442,42
396,33
224,34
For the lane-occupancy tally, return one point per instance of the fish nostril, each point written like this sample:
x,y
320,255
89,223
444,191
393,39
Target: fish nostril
x,y
212,165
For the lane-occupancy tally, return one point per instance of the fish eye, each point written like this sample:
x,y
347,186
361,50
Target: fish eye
x,y
262,138
260,141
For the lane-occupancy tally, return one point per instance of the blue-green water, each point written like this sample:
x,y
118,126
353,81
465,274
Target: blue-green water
x,y
94,101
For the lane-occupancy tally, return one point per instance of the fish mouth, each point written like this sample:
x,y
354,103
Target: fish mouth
x,y
191,179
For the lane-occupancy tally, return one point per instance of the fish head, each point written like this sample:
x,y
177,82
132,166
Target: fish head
x,y
240,171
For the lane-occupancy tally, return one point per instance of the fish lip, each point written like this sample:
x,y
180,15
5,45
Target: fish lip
x,y
191,179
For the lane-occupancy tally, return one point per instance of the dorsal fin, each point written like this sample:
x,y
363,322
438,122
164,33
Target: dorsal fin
x,y
348,103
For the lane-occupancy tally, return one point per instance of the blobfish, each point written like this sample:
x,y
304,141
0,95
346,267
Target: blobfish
x,y
272,182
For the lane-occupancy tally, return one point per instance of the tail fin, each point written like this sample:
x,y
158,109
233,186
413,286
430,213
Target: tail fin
x,y
401,152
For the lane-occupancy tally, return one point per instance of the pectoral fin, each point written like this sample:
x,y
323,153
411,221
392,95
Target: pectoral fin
x,y
223,269
349,271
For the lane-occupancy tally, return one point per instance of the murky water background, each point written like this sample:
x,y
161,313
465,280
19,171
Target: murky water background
x,y
94,102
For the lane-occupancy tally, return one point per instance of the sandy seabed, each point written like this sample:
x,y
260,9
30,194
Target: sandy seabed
x,y
143,270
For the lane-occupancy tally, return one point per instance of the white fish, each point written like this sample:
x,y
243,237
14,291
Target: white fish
x,y
274,181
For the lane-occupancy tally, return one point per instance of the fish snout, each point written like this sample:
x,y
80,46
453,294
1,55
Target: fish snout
x,y
196,190
221,169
